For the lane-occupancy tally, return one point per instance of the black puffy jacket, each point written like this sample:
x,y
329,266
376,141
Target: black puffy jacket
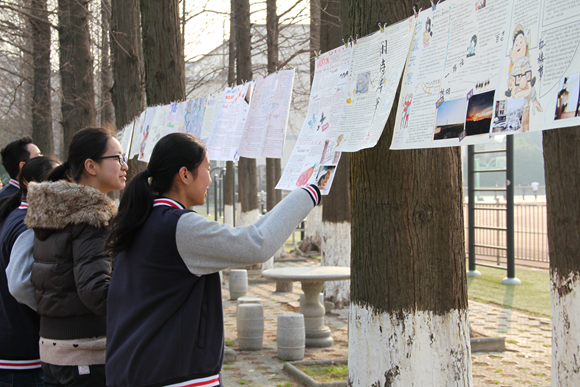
x,y
71,271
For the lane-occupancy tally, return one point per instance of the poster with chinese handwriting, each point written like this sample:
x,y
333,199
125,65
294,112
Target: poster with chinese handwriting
x,y
540,72
313,159
375,71
141,132
212,104
193,112
154,129
175,119
125,136
265,127
228,126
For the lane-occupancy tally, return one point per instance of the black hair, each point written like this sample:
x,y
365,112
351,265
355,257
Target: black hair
x,y
474,39
88,143
170,154
35,169
14,153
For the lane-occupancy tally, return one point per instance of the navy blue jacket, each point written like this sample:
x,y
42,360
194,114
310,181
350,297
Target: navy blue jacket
x,y
19,325
164,324
8,190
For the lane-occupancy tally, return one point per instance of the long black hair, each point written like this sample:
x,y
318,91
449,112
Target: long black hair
x,y
170,154
35,169
88,143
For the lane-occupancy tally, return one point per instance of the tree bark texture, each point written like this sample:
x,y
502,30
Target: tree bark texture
x,y
562,167
272,47
248,181
128,70
229,186
408,279
107,109
41,103
76,68
162,52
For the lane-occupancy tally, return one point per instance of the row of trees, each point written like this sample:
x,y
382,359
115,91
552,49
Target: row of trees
x,y
408,290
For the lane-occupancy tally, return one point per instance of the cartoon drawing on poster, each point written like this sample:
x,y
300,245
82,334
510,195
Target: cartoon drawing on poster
x,y
428,32
406,110
193,116
471,48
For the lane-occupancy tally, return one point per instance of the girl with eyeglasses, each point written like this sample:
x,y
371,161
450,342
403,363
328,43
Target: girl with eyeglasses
x,y
19,358
164,313
71,272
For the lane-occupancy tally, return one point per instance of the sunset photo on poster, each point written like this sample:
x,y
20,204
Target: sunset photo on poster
x,y
449,122
479,114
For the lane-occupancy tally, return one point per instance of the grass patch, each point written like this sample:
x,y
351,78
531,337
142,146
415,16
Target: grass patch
x,y
229,343
326,374
533,295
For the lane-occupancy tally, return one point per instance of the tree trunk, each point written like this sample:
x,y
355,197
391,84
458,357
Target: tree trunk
x,y
247,176
128,70
561,165
313,234
76,68
107,109
229,186
41,102
162,52
409,323
335,243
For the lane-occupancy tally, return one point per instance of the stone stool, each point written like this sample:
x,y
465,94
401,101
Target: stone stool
x,y
250,320
290,336
248,300
238,283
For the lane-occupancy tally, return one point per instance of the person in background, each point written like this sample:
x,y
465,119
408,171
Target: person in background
x,y
71,272
14,155
19,358
535,186
164,313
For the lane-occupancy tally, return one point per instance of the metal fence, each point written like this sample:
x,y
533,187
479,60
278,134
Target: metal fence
x,y
530,231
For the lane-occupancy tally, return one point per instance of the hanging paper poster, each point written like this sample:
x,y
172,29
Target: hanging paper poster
x,y
450,76
313,159
540,71
175,120
125,136
153,132
375,70
227,129
267,120
212,104
193,116
141,132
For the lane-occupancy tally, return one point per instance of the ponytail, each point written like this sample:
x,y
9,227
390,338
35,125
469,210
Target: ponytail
x,y
134,210
60,173
170,154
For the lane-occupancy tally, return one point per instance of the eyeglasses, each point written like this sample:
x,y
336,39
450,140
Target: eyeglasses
x,y
122,159
518,77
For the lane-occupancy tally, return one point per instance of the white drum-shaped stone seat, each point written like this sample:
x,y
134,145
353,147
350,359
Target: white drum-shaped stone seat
x,y
290,336
238,283
250,321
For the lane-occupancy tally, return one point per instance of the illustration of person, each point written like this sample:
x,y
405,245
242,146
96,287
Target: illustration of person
x,y
472,44
523,87
406,110
562,101
143,142
479,4
520,49
428,33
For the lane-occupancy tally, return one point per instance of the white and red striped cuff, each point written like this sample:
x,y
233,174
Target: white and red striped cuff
x,y
23,206
200,382
19,364
314,193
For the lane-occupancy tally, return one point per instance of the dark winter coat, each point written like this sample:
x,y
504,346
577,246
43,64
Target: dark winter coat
x,y
71,271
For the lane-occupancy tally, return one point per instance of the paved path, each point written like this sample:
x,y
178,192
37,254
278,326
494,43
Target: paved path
x,y
526,362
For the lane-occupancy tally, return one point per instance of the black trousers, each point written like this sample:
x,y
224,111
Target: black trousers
x,y
68,376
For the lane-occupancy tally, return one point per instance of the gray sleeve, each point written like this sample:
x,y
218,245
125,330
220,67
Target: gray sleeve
x,y
19,270
207,246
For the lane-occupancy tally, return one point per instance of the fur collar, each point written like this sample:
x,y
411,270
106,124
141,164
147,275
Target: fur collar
x,y
54,205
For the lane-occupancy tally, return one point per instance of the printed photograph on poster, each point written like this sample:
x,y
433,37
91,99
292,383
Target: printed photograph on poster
x,y
567,101
479,114
450,119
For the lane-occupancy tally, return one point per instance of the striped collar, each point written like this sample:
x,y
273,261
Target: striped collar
x,y
167,202
23,206
14,183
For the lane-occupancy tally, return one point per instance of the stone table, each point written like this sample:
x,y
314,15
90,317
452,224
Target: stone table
x,y
312,279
